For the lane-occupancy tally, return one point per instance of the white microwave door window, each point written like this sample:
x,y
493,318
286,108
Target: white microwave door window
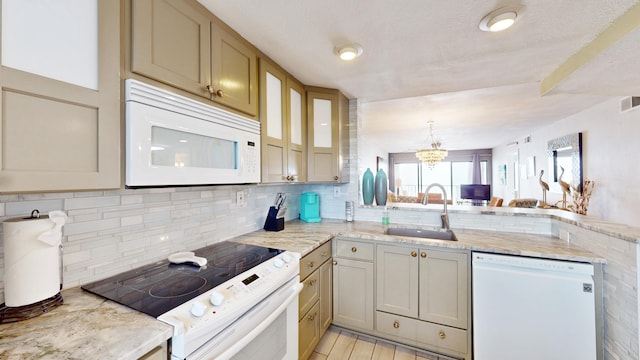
x,y
176,148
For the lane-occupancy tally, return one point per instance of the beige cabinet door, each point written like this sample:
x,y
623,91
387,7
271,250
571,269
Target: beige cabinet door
x,y
323,139
296,124
235,71
353,293
57,136
444,287
171,43
272,118
326,295
397,280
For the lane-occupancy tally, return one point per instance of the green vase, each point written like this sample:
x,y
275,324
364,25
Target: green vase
x,y
381,188
367,187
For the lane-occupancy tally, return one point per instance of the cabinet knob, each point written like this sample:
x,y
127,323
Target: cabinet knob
x,y
335,262
336,178
442,335
312,282
354,249
214,92
396,324
414,254
423,255
323,254
311,264
312,317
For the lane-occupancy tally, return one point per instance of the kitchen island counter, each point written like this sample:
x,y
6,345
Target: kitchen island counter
x,y
304,237
85,326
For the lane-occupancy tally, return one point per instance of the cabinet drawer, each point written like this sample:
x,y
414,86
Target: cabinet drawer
x,y
310,293
424,334
308,332
351,249
312,261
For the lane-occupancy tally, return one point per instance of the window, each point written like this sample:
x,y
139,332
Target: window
x,y
410,177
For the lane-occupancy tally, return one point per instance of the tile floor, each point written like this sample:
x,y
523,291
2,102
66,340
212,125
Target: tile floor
x,y
346,345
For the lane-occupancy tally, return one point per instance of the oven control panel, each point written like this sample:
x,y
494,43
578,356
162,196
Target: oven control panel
x,y
200,318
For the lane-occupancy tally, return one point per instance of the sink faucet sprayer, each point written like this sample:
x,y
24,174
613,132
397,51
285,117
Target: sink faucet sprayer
x,y
445,215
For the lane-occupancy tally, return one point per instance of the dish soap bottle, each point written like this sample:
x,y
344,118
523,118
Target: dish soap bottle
x,y
385,216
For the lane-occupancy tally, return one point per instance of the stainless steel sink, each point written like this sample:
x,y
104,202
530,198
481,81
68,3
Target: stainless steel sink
x,y
423,233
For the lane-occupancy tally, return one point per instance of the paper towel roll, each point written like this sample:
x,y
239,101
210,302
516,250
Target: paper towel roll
x,y
31,265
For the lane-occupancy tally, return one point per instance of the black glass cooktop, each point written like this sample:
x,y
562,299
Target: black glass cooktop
x,y
157,288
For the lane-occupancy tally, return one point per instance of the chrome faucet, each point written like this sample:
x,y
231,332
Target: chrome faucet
x,y
445,215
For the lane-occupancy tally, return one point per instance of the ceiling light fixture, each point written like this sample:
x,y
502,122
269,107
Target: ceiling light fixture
x,y
435,154
499,19
349,52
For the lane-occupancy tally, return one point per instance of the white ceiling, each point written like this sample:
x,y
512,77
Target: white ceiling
x,y
427,60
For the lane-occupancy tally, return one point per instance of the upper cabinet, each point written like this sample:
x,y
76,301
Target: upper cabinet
x,y
328,135
283,117
180,43
60,107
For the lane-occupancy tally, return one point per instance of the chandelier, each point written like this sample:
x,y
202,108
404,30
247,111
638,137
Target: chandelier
x,y
435,154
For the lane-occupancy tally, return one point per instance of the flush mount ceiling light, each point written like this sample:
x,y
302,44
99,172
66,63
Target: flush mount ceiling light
x,y
499,19
349,52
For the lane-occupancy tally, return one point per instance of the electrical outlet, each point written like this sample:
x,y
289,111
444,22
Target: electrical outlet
x,y
241,198
336,191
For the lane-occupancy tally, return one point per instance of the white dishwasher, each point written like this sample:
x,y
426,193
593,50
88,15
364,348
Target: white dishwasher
x,y
529,308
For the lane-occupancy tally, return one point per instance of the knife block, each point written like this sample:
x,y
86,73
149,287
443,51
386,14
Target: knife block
x,y
273,223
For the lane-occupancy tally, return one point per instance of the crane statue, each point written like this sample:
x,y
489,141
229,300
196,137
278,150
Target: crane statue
x,y
566,189
545,188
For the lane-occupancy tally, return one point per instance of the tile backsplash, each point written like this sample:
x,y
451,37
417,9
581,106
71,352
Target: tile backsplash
x,y
108,232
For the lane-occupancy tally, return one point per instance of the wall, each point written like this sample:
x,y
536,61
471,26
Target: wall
x,y
610,149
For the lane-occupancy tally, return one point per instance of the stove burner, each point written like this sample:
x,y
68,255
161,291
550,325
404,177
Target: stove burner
x,y
142,279
178,285
240,262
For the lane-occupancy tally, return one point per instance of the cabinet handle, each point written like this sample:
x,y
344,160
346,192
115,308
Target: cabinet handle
x,y
396,324
311,264
312,316
423,255
353,249
442,335
414,254
335,262
213,92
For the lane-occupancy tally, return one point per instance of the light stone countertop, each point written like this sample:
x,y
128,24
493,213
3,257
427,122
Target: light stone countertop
x,y
304,237
88,327
85,326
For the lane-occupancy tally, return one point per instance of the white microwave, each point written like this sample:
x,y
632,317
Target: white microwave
x,y
174,140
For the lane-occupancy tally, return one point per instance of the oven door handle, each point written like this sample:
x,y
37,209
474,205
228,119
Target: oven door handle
x,y
246,339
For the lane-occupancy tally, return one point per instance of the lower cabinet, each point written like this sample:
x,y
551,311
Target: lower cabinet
x,y
315,299
353,284
411,294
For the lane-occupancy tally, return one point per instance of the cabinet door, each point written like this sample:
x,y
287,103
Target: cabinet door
x,y
296,131
323,140
272,117
353,293
444,287
235,71
397,279
326,295
58,133
171,43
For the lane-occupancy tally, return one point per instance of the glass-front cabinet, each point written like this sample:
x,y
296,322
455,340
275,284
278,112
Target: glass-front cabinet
x,y
328,117
283,117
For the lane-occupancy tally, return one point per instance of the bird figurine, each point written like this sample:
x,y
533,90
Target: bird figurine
x,y
566,189
545,188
